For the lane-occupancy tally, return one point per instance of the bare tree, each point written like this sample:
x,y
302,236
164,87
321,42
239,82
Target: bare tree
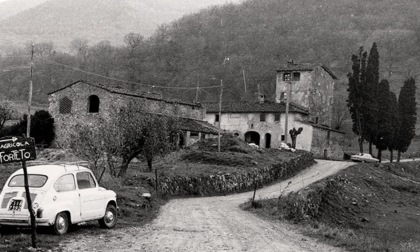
x,y
6,112
341,112
133,40
80,47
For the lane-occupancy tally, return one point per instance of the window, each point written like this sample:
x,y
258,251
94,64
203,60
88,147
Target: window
x,y
277,117
65,183
291,76
93,104
85,180
316,120
217,118
283,96
283,137
65,106
262,117
33,181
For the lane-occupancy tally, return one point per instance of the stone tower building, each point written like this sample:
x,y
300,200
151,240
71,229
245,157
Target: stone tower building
x,y
311,86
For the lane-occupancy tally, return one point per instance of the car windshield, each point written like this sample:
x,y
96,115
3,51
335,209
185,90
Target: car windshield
x,y
33,180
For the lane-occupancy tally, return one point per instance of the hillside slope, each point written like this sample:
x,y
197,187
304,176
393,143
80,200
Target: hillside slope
x,y
61,21
12,7
367,207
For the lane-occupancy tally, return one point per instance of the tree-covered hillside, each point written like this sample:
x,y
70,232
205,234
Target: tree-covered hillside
x,y
259,35
256,36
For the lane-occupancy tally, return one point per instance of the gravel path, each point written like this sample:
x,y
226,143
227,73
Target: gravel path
x,y
214,224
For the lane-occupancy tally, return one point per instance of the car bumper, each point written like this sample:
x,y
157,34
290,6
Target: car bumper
x,y
23,221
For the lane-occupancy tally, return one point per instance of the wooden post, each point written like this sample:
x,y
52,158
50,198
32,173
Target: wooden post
x,y
28,126
29,203
156,183
255,190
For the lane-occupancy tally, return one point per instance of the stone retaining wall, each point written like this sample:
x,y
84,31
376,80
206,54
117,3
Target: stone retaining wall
x,y
227,183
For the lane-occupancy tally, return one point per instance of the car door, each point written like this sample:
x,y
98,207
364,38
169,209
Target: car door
x,y
91,202
68,196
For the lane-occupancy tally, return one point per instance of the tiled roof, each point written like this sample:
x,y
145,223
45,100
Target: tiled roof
x,y
197,126
291,66
190,124
253,107
118,89
324,127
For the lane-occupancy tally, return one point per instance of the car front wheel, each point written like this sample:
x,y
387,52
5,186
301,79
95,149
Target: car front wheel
x,y
61,224
110,218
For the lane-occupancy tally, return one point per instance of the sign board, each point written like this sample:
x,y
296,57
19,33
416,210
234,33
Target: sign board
x,y
16,149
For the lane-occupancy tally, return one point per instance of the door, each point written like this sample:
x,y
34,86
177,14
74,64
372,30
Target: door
x,y
65,186
91,200
268,140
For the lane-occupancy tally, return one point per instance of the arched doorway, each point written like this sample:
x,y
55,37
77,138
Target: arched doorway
x,y
252,137
268,140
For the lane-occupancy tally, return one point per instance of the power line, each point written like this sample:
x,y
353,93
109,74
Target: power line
x,y
124,81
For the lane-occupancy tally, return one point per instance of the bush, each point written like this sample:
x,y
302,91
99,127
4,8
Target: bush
x,y
42,128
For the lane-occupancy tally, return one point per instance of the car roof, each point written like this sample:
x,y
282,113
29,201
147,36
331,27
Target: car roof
x,y
52,170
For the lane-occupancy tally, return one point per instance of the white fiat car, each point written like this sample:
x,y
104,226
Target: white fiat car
x,y
61,195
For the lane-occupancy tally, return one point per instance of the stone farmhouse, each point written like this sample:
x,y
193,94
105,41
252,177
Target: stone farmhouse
x,y
310,107
83,102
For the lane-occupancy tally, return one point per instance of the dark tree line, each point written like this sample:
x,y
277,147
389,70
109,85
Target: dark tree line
x,y
378,117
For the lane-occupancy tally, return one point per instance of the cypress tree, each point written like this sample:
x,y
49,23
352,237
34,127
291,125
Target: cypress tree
x,y
370,104
357,93
395,120
407,111
384,130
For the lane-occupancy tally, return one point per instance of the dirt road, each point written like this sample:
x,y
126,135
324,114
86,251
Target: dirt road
x,y
214,224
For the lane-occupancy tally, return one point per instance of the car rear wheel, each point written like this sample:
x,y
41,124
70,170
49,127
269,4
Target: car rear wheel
x,y
110,218
61,224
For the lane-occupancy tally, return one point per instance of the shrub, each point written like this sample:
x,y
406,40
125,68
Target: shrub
x,y
42,128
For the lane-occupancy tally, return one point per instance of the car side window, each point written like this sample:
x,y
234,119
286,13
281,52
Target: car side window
x,y
65,183
85,180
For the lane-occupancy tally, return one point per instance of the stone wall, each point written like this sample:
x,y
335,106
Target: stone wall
x,y
227,183
328,147
79,94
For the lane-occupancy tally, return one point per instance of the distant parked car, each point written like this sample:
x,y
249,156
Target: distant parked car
x,y
253,145
61,195
364,157
284,146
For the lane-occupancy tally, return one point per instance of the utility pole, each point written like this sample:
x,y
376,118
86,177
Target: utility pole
x,y
220,114
243,74
198,87
286,120
28,126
